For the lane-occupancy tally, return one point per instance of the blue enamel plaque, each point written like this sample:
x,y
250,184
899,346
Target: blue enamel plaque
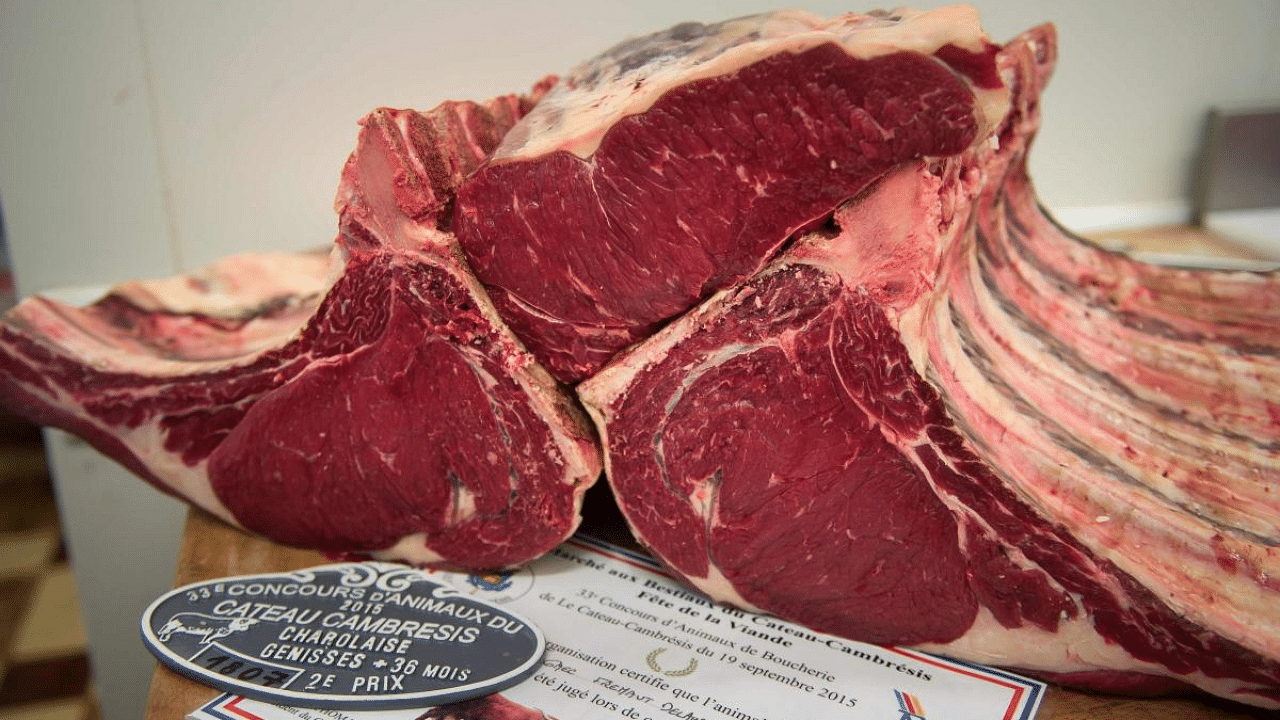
x,y
349,636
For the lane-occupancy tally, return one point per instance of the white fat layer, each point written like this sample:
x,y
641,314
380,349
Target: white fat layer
x,y
64,326
411,549
189,481
1074,647
229,286
577,112
232,287
464,505
146,442
717,587
409,148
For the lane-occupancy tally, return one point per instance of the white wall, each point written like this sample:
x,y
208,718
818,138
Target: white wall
x,y
139,137
147,137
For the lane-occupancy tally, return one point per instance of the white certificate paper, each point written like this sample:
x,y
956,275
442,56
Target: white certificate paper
x,y
624,640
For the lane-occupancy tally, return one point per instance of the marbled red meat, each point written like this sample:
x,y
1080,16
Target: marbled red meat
x,y
634,233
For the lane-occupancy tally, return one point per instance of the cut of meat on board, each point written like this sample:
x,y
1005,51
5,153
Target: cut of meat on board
x,y
369,404
675,165
939,420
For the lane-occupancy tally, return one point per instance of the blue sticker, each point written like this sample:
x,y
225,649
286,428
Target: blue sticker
x,y
350,636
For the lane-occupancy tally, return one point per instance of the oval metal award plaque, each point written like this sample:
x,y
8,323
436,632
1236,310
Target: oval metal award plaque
x,y
354,635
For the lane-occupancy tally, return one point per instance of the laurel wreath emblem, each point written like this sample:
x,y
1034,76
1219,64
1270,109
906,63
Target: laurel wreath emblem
x,y
652,661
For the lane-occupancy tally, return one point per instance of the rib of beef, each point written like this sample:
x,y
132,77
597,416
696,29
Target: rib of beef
x,y
844,368
378,406
941,421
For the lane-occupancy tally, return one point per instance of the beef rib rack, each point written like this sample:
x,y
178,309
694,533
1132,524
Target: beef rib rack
x,y
939,420
374,404
839,365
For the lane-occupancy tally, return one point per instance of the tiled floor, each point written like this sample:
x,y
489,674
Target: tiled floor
x,y
44,671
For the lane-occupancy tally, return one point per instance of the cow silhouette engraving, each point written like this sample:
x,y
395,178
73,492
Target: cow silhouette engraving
x,y
207,627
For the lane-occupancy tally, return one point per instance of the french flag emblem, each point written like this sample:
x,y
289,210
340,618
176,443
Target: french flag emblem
x,y
910,706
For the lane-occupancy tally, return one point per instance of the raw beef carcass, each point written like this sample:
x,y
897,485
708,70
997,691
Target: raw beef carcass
x,y
938,420
378,406
852,375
